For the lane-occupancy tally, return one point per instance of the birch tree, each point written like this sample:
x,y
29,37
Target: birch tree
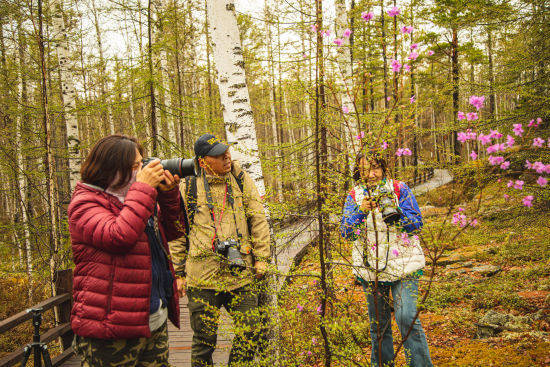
x,y
68,90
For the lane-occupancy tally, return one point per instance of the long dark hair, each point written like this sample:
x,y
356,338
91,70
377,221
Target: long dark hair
x,y
372,155
111,154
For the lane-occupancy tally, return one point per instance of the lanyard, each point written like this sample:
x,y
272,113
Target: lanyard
x,y
228,197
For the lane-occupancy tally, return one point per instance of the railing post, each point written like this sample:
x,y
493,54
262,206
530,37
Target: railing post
x,y
64,284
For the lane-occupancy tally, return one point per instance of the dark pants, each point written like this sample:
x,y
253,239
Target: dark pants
x,y
204,306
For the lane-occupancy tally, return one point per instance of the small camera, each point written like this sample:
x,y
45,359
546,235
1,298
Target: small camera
x,y
230,250
176,166
389,209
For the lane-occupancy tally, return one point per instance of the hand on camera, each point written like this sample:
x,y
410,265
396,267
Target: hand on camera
x,y
169,181
152,174
368,205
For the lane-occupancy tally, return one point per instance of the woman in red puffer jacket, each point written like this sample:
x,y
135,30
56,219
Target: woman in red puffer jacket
x,y
120,218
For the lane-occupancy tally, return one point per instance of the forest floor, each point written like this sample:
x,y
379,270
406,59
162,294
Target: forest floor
x,y
500,267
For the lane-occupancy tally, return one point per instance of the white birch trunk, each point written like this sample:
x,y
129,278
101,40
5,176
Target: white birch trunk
x,y
237,114
235,100
344,77
68,90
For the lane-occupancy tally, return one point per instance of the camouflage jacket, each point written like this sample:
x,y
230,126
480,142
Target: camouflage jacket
x,y
203,267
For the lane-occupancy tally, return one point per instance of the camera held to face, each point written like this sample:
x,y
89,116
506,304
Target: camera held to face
x,y
230,250
176,166
386,203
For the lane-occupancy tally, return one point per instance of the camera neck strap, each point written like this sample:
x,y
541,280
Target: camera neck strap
x,y
228,197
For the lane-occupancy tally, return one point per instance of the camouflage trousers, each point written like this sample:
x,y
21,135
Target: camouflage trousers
x,y
138,352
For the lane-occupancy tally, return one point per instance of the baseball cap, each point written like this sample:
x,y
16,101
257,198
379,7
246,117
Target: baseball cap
x,y
209,145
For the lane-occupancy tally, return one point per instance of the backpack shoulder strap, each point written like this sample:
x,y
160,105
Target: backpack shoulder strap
x,y
191,195
240,180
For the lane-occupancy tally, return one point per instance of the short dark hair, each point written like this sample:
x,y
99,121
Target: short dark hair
x,y
372,155
110,155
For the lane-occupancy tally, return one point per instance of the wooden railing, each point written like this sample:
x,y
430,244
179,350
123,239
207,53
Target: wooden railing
x,y
62,301
421,177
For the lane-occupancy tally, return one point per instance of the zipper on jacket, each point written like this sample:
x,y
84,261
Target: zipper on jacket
x,y
110,293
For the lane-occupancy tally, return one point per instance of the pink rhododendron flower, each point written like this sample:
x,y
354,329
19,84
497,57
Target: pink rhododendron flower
x,y
367,16
494,148
505,165
461,115
407,67
399,152
414,46
532,123
413,55
518,130
484,139
510,141
309,353
493,161
539,167
395,65
518,184
319,309
405,238
345,109
395,252
347,33
384,145
528,164
506,196
394,11
528,201
314,27
473,155
407,29
314,340
510,183
471,116
412,100
430,53
357,231
538,142
459,219
473,223
542,181
360,136
388,98
477,101
539,121
300,307
495,134
465,136
338,41
403,151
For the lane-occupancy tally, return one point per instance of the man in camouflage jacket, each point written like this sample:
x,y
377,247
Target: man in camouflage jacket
x,y
203,272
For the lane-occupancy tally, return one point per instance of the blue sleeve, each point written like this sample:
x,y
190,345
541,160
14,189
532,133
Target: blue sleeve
x,y
411,219
351,218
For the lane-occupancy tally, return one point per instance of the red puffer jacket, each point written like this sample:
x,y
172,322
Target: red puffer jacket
x,y
112,276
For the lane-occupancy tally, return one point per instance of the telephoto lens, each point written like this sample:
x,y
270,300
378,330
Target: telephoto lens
x,y
176,166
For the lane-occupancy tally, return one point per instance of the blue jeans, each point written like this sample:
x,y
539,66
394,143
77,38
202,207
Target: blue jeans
x,y
404,292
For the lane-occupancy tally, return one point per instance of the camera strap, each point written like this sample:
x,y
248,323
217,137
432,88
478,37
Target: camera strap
x,y
228,197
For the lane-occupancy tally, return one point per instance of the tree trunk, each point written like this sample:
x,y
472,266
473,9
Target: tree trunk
x,y
492,106
455,150
68,91
150,81
48,156
384,56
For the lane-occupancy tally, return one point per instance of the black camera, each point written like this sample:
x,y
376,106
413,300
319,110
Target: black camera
x,y
386,203
230,250
176,166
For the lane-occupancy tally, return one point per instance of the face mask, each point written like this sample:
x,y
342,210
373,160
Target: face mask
x,y
121,192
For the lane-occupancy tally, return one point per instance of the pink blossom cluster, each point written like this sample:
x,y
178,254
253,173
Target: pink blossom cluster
x,y
496,148
528,201
518,184
538,142
338,41
395,65
393,12
484,139
384,145
413,55
347,33
518,130
460,219
477,101
534,123
539,167
465,136
414,46
403,151
407,29
367,15
494,160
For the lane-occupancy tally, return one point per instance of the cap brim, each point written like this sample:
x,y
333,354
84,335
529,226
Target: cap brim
x,y
217,150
